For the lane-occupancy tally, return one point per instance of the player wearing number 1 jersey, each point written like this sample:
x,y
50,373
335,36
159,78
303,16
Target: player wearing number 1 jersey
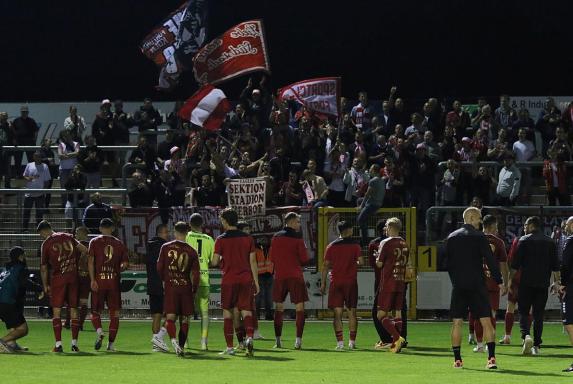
x,y
107,257
392,258
59,254
178,267
204,245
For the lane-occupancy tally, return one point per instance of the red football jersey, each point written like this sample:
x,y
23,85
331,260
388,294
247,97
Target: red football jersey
x,y
288,254
177,261
59,252
235,247
498,249
108,253
394,254
343,254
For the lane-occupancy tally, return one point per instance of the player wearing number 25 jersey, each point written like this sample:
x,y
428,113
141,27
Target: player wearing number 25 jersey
x,y
107,257
60,252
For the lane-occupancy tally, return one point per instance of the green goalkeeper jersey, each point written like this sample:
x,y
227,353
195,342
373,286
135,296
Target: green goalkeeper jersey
x,y
204,245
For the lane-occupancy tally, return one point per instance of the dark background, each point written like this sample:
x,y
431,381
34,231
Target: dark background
x,y
89,50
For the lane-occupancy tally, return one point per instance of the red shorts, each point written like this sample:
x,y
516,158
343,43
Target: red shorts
x,y
294,286
178,301
494,299
84,287
111,297
64,291
390,300
238,295
343,294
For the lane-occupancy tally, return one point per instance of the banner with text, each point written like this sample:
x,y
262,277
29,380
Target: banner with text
x,y
238,51
320,95
535,104
138,226
247,196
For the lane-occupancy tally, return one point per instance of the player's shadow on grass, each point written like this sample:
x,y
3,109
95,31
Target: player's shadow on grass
x,y
269,358
202,356
431,349
515,372
124,353
321,350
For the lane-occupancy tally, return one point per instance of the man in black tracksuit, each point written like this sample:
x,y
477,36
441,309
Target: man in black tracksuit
x,y
467,249
536,257
565,287
155,285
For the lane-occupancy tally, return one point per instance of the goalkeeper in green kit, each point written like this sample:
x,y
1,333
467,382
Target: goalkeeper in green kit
x,y
204,245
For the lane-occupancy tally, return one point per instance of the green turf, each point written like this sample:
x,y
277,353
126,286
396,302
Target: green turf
x,y
427,359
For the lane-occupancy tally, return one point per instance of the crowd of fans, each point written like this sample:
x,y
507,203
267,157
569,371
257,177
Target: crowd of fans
x,y
310,159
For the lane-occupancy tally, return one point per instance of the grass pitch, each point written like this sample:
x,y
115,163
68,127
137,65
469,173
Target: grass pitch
x,y
427,359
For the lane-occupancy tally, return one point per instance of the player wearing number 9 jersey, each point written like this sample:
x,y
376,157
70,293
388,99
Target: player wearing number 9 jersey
x,y
59,254
107,257
177,264
204,245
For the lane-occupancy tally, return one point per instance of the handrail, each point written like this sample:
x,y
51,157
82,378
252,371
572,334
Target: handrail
x,y
60,190
22,148
519,164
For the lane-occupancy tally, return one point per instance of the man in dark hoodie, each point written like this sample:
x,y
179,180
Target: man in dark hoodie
x,y
155,286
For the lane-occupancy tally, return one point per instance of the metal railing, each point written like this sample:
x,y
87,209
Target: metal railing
x,y
438,227
25,148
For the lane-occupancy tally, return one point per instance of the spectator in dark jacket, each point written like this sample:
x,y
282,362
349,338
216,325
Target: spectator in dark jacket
x,y
95,212
140,192
144,154
92,158
154,284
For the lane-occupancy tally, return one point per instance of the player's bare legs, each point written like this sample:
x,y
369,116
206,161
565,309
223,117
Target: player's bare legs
x,y
489,337
15,333
156,322
456,336
337,324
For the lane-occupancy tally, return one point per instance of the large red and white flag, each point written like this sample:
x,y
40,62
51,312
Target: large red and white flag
x,y
238,51
321,95
207,108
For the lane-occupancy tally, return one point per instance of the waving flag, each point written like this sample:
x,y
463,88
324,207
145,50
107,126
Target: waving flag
x,y
207,108
172,44
238,51
321,95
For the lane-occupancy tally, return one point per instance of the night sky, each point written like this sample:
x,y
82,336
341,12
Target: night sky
x,y
89,50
